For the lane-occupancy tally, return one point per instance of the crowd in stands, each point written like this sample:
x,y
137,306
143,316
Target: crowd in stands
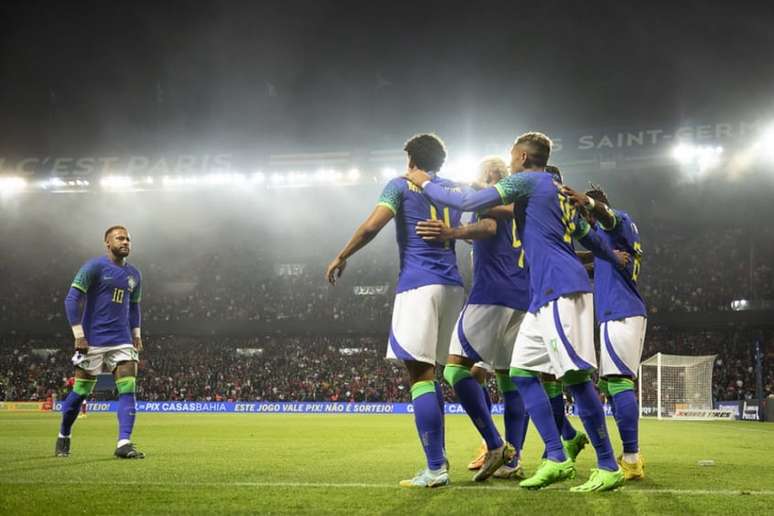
x,y
275,368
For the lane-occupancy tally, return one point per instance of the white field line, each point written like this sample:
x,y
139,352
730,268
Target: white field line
x,y
358,485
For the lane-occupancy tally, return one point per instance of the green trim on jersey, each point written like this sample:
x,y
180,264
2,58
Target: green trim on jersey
x,y
514,188
84,278
391,197
582,229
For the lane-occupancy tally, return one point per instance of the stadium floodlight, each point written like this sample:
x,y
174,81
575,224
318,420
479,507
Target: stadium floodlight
x,y
149,180
277,178
116,182
463,169
12,184
353,174
388,173
258,178
765,144
705,157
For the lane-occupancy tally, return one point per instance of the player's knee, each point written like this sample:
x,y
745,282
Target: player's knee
x,y
84,387
619,384
576,377
553,388
454,373
126,385
504,383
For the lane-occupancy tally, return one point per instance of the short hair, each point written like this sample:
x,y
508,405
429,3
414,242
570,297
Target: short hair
x,y
111,229
596,193
426,151
538,148
494,166
555,172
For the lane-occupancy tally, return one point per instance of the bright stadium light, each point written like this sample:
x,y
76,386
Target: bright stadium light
x,y
388,173
766,143
258,178
116,182
277,178
353,174
705,157
10,185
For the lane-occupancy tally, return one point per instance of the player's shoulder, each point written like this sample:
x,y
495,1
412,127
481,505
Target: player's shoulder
x,y
132,269
397,183
95,263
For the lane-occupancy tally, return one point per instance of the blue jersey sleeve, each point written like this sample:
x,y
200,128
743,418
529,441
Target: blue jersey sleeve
x,y
86,277
591,240
466,200
392,195
136,296
514,188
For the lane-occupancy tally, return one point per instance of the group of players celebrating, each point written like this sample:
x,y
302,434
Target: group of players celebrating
x,y
529,316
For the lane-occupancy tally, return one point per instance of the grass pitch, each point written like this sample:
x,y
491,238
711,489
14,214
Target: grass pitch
x,y
334,464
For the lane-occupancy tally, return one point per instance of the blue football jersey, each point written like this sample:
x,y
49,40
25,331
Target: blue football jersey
x,y
421,262
546,221
615,290
109,290
500,274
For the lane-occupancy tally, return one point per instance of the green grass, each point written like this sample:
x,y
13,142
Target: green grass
x,y
334,464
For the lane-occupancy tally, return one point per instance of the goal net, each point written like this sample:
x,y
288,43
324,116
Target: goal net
x,y
678,386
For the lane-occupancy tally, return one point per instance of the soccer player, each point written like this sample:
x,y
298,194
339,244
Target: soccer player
x,y
107,336
557,335
428,295
622,318
488,324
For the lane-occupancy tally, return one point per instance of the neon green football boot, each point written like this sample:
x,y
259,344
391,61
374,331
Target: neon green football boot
x,y
601,480
575,445
548,473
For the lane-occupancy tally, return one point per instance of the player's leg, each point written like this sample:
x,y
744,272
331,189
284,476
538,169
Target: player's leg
x,y
413,340
622,343
569,324
480,372
125,374
573,441
474,340
84,385
530,358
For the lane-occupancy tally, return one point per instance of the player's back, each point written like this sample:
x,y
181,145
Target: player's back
x,y
109,289
422,262
500,275
546,223
616,295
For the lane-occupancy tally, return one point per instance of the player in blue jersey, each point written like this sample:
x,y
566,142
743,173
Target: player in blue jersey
x,y
428,295
557,335
622,318
103,308
488,324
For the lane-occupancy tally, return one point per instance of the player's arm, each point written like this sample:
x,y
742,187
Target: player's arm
x,y
506,191
437,230
135,315
585,257
589,238
601,211
75,301
363,235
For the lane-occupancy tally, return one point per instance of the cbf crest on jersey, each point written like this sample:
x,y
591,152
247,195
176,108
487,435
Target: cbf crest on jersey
x,y
132,284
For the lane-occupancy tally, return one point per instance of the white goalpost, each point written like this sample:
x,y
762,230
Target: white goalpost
x,y
679,387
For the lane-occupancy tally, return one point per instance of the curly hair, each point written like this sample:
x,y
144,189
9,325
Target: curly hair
x,y
426,151
538,147
596,193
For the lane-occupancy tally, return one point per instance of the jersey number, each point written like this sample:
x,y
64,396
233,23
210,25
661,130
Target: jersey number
x,y
517,243
118,295
446,220
568,217
637,257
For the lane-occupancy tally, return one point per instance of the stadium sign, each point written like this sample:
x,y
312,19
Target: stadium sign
x,y
370,290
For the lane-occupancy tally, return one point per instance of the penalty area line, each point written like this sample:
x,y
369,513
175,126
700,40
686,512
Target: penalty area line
x,y
360,485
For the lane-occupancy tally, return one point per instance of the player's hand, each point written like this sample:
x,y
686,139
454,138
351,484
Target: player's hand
x,y
417,176
82,345
335,270
137,343
623,258
434,230
577,198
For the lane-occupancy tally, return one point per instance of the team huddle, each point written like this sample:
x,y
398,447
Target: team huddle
x,y
529,316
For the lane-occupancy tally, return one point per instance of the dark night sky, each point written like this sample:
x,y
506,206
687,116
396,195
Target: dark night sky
x,y
154,76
